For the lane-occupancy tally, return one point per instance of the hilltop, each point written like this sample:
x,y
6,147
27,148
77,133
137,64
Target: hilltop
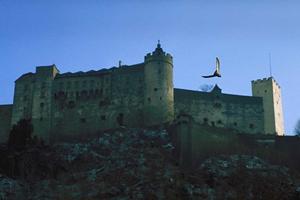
x,y
136,164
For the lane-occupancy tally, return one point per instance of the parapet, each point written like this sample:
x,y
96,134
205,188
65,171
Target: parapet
x,y
269,79
26,76
160,55
47,70
165,57
104,71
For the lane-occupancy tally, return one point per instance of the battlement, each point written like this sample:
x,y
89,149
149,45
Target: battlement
x,y
159,55
165,58
103,71
269,79
25,76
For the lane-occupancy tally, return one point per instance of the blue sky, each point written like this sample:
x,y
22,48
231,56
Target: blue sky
x,y
85,35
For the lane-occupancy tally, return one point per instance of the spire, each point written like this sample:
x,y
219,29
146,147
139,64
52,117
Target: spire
x,y
158,49
158,44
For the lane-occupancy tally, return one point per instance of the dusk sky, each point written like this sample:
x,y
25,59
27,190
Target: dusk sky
x,y
86,35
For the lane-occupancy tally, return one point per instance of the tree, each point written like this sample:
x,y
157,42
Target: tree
x,y
20,134
297,128
206,88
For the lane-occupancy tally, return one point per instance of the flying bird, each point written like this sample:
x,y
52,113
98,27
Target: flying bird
x,y
217,72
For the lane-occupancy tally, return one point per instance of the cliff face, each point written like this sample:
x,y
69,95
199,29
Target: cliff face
x,y
136,164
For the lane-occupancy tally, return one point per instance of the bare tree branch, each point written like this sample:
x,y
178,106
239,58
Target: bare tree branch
x,y
206,88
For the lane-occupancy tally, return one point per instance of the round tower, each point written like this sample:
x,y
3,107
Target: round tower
x,y
159,90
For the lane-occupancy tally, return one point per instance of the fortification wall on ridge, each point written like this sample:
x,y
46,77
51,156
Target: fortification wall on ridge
x,y
242,113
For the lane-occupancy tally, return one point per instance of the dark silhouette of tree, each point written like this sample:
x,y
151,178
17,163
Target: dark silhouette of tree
x,y
206,88
20,134
297,128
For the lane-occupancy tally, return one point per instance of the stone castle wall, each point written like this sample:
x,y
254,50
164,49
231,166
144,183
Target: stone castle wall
x,y
214,108
95,101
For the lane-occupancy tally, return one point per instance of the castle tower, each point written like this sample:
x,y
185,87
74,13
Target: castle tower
x,y
159,90
270,91
42,101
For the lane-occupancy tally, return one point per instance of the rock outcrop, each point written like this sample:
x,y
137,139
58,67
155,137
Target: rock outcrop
x,y
136,164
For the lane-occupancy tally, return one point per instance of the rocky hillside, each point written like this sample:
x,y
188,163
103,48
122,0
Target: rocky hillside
x,y
136,164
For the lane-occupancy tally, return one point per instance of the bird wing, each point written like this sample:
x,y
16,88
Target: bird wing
x,y
218,65
210,76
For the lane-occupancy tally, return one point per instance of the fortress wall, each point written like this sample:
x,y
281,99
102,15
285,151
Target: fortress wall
x,y
42,101
23,98
94,102
5,122
221,110
128,96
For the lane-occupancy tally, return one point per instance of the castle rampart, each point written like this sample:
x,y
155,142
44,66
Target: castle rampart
x,y
242,113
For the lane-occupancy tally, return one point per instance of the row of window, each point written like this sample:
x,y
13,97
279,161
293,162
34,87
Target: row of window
x,y
81,94
72,104
205,121
149,99
119,119
83,120
82,84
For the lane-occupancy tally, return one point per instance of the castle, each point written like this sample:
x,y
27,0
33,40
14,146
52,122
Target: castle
x,y
63,105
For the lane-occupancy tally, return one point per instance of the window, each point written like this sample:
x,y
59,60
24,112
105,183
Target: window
x,y
205,120
82,120
92,83
61,85
235,124
149,99
43,94
212,123
155,89
42,105
218,105
84,84
68,85
120,119
251,126
83,93
76,84
25,87
103,117
91,93
71,104
219,122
